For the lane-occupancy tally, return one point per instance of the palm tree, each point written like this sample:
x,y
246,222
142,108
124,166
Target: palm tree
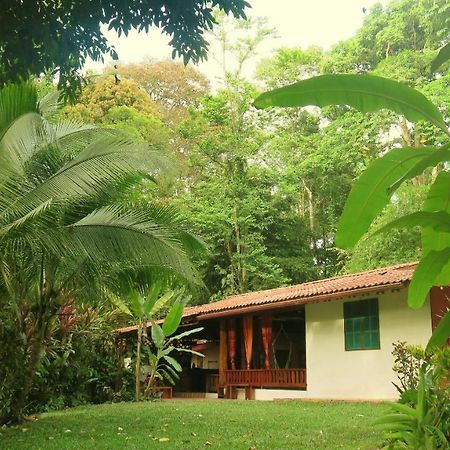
x,y
65,223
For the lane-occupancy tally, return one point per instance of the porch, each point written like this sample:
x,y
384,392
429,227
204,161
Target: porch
x,y
259,352
247,353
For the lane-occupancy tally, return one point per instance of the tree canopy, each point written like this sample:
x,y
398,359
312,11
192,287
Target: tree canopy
x,y
38,37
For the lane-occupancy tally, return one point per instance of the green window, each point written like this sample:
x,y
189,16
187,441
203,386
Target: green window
x,y
361,325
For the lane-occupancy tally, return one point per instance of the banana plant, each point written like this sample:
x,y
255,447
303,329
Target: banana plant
x,y
143,307
374,189
163,366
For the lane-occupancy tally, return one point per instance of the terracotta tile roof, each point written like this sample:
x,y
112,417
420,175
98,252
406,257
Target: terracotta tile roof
x,y
353,284
321,290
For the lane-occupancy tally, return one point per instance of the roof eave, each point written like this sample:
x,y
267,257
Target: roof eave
x,y
284,304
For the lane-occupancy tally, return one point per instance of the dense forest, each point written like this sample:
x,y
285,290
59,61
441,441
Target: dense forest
x,y
265,189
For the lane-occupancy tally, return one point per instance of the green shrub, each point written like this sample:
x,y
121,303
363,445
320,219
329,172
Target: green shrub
x,y
80,363
422,421
13,358
407,362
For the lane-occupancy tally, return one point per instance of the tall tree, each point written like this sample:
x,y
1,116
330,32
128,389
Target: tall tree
x,y
173,86
395,41
120,105
318,155
228,197
63,226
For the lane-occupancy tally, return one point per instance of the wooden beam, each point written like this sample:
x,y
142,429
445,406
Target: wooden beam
x,y
223,352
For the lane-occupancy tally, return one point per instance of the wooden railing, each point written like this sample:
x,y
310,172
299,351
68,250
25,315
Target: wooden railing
x,y
267,378
212,382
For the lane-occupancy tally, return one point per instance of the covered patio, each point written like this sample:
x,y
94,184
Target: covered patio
x,y
261,351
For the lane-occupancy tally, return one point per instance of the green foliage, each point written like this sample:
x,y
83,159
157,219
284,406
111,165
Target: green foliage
x,y
80,362
64,230
163,366
229,198
409,67
398,246
123,106
440,334
103,93
388,31
367,93
66,34
144,307
14,357
173,319
407,362
369,196
442,57
424,422
437,239
289,65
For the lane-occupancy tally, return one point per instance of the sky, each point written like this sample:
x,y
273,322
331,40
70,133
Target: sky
x,y
299,23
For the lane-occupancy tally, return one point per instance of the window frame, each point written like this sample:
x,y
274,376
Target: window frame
x,y
361,318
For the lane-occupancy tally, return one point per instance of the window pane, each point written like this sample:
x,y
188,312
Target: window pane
x,y
361,325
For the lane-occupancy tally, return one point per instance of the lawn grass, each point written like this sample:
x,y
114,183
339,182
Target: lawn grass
x,y
189,424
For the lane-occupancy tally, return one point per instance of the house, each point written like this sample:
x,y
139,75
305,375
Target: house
x,y
327,339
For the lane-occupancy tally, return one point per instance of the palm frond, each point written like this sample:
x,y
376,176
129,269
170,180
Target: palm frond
x,y
115,234
50,103
16,100
23,220
169,215
18,143
99,166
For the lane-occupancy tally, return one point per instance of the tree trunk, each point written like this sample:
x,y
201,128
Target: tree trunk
x,y
138,363
120,348
242,272
21,396
232,266
405,133
310,205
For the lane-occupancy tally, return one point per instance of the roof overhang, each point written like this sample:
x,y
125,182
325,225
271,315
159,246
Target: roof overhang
x,y
292,303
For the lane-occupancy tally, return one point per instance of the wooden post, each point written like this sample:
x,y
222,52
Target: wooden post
x,y
232,342
120,347
439,305
222,352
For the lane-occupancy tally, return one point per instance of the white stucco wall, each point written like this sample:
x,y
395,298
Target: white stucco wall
x,y
333,373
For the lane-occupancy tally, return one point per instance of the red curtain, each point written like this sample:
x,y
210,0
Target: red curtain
x,y
266,331
232,343
247,324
